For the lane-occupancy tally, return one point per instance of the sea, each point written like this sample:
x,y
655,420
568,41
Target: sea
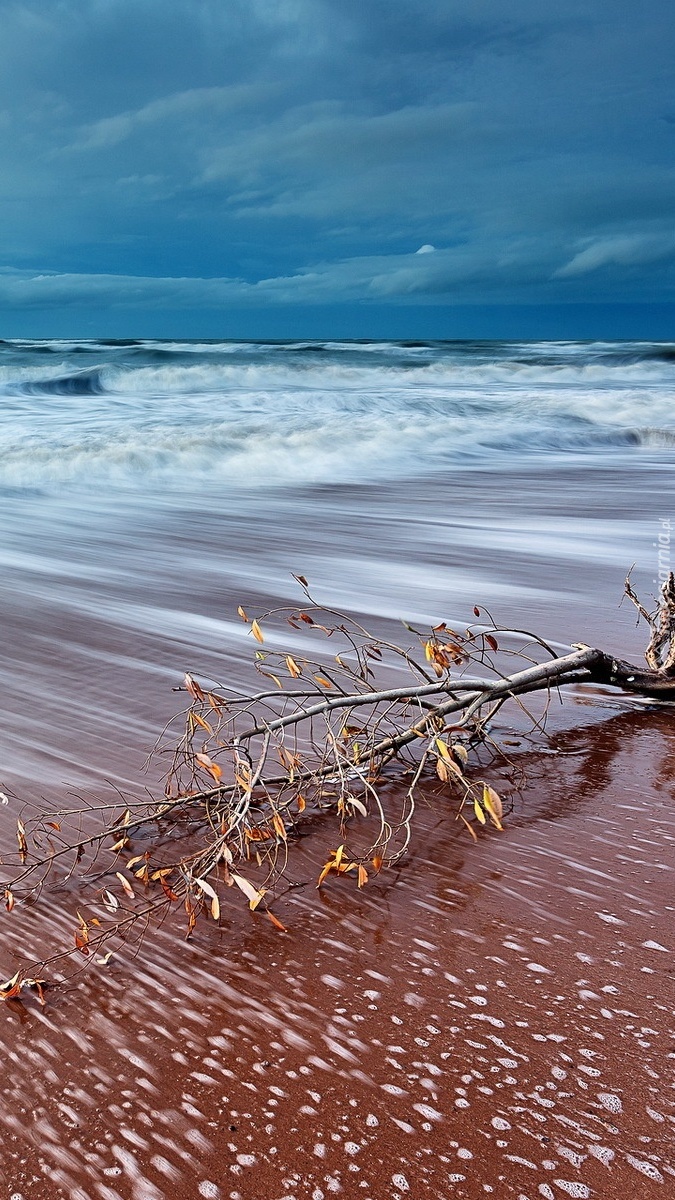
x,y
492,1019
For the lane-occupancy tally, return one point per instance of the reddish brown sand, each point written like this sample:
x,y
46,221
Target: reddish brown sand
x,y
495,1020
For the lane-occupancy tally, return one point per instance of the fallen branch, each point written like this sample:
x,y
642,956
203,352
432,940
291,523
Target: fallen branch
x,y
338,742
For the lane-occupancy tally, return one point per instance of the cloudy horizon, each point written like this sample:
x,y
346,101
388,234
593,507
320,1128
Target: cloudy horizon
x,y
243,168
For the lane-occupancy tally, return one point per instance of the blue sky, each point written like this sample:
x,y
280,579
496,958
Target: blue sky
x,y
309,167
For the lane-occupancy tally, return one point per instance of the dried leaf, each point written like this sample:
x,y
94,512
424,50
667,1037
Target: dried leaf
x,y
242,613
293,668
301,803
193,687
257,631
21,839
476,611
207,763
460,752
442,770
362,876
301,579
276,922
168,891
279,826
110,901
358,804
54,825
306,618
9,900
470,828
493,804
323,681
480,815
200,721
215,702
252,894
11,988
377,863
491,641
125,884
213,896
105,959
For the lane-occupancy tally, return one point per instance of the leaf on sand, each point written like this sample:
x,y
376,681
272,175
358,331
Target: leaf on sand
x,y
257,632
213,897
125,884
193,687
252,894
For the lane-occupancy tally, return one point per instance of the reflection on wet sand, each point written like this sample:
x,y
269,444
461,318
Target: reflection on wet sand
x,y
496,1020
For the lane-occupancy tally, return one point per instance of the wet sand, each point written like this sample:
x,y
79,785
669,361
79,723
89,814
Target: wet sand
x,y
496,1020
487,1020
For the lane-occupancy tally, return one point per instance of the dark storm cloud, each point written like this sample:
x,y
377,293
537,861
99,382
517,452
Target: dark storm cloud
x,y
300,151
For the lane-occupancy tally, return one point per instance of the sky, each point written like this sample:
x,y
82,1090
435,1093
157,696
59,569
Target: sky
x,y
289,168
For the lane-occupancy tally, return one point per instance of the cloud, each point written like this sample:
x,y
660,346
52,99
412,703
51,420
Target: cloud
x,y
621,250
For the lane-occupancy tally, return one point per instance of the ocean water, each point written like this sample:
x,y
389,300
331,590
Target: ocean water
x,y
149,487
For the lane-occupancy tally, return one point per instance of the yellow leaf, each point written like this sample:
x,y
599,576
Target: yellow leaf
x,y
200,721
257,631
242,613
480,815
293,668
493,804
442,770
279,826
362,876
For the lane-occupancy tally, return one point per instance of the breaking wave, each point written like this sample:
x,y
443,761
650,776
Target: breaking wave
x,y
141,413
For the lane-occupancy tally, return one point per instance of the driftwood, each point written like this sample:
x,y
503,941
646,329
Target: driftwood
x,y
341,733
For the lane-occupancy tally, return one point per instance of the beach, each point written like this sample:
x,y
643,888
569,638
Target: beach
x,y
486,1019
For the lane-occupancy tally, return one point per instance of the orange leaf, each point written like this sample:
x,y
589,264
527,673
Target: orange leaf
x,y
302,804
293,668
471,830
279,826
323,681
9,900
276,922
242,613
362,876
377,862
200,721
